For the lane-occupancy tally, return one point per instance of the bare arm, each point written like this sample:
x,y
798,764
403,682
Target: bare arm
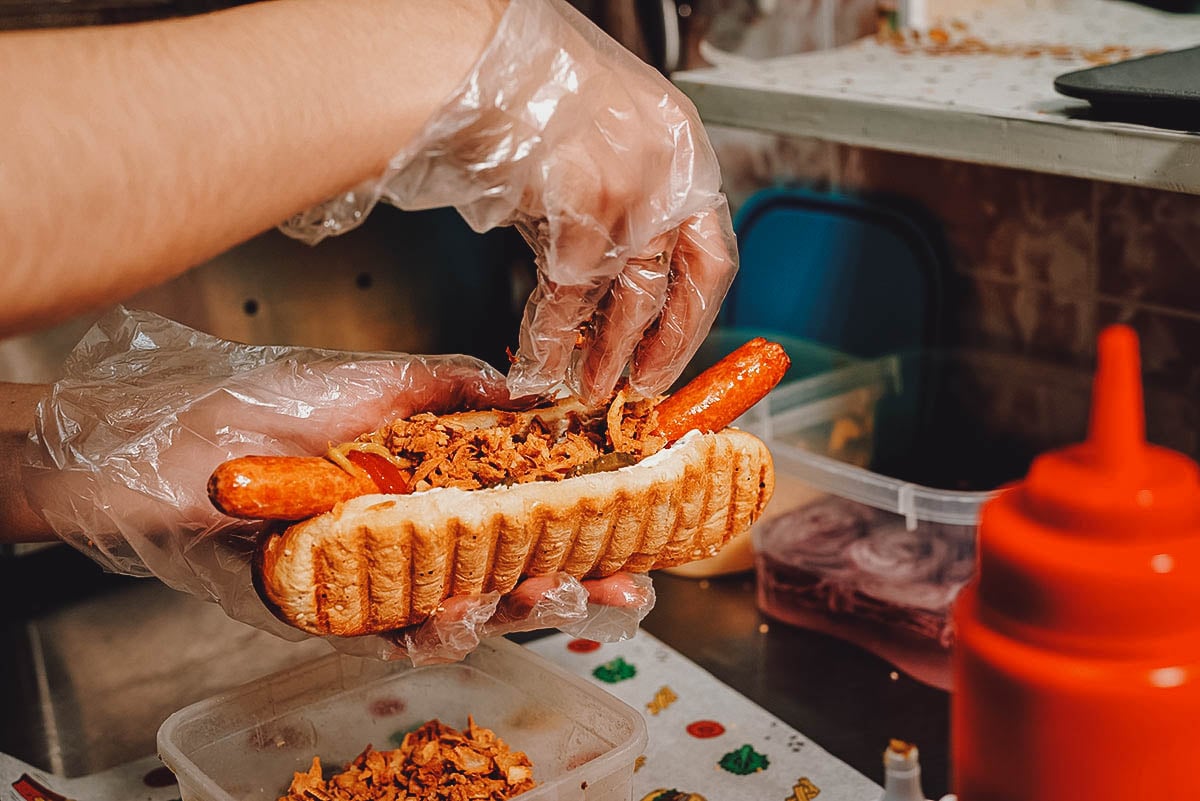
x,y
132,153
18,523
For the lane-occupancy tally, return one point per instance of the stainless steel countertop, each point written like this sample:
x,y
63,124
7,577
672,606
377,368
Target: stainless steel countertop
x,y
93,664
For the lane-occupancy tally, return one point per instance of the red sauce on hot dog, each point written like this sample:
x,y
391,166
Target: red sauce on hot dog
x,y
386,475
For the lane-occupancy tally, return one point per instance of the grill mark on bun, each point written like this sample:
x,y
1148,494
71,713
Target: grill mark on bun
x,y
388,590
595,531
427,591
531,555
740,498
450,572
765,486
364,580
468,575
649,548
618,521
413,569
647,518
644,524
487,532
321,586
729,493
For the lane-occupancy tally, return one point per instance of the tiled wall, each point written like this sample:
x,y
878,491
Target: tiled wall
x,y
1040,263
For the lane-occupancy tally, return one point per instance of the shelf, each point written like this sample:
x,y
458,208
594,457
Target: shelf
x,y
979,89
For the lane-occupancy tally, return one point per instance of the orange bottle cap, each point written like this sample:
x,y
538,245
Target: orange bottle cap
x,y
1115,483
1099,548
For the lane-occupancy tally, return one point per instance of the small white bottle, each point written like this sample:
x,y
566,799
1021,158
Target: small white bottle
x,y
902,773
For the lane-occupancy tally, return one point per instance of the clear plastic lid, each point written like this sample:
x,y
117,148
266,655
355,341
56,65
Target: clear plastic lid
x,y
247,743
942,429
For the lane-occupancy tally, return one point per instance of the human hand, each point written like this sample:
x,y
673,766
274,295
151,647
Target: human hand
x,y
147,408
605,609
606,171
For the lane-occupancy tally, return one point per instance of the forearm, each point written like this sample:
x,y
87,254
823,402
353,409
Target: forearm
x,y
18,523
135,152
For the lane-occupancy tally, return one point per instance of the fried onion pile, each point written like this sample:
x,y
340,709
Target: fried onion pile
x,y
435,761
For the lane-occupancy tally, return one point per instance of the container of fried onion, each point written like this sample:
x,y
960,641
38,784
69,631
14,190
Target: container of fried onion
x,y
510,722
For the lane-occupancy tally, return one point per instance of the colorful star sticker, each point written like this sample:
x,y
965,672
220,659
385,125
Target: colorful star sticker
x,y
662,699
804,790
744,761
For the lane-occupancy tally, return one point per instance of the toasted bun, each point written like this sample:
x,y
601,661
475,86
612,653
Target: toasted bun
x,y
381,562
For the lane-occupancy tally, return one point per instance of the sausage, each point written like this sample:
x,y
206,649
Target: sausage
x,y
298,487
283,487
725,391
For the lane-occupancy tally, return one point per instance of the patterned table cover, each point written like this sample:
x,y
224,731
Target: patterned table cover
x,y
705,739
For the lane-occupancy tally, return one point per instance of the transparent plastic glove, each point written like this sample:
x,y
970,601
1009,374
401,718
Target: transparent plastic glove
x,y
122,448
605,169
606,610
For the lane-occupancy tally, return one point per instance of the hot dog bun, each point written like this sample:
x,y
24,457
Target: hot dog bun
x,y
381,562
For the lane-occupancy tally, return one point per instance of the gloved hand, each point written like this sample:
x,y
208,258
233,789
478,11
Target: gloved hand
x,y
606,610
606,171
123,447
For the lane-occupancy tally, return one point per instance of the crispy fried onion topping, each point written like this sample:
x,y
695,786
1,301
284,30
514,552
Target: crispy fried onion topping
x,y
435,761
438,451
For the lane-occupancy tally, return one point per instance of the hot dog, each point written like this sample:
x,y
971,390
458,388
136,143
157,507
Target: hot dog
x,y
295,488
460,504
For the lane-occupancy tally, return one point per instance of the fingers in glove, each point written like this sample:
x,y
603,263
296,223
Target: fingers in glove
x,y
549,600
450,634
455,630
310,402
633,302
544,602
447,385
552,601
534,596
578,229
618,605
606,610
702,269
620,589
549,335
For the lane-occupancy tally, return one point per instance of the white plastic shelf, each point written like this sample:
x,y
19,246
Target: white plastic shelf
x,y
995,106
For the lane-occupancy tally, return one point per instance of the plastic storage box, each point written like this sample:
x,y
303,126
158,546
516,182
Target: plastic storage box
x,y
871,532
247,743
808,359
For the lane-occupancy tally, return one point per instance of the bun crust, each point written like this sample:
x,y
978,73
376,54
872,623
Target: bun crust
x,y
382,562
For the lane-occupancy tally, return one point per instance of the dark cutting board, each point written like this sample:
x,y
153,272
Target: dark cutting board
x,y
1161,90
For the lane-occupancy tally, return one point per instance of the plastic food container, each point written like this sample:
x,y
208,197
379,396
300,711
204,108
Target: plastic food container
x,y
245,744
809,359
871,532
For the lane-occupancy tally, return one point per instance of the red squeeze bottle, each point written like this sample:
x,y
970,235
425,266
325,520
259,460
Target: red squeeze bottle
x,y
1077,654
